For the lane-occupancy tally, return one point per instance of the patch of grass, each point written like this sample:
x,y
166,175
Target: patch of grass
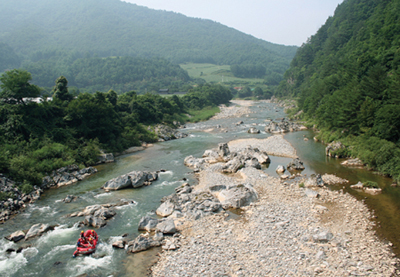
x,y
221,74
203,114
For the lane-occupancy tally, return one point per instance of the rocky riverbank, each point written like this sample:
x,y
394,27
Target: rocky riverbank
x,y
291,230
236,109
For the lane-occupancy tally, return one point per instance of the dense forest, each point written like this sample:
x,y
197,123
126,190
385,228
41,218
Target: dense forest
x,y
46,36
347,81
38,138
117,73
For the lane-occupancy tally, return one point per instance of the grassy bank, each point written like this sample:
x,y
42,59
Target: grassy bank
x,y
378,154
203,114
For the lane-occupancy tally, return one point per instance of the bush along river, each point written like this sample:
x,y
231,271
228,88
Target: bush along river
x,y
51,253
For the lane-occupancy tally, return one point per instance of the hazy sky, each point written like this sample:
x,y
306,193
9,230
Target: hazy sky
x,y
288,22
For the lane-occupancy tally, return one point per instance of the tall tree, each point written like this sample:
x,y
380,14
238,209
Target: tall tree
x,y
61,90
15,86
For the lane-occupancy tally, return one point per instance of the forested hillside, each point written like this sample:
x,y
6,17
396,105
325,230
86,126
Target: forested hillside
x,y
347,80
118,73
48,30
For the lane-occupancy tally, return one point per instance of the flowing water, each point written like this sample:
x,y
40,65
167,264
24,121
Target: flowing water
x,y
51,254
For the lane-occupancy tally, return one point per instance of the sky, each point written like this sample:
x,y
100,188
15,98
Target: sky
x,y
288,22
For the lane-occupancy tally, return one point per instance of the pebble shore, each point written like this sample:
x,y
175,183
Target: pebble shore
x,y
288,231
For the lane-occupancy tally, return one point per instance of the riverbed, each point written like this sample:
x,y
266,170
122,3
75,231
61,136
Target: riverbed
x,y
51,254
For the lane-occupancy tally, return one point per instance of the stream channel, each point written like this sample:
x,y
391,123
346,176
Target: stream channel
x,y
51,254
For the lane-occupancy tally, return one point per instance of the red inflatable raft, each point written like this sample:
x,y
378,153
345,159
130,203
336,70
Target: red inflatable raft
x,y
86,243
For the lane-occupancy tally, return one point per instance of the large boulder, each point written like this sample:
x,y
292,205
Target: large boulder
x,y
314,181
37,230
353,162
166,227
280,169
90,210
104,213
253,130
69,198
117,183
211,156
132,179
147,223
233,165
295,164
137,178
105,158
165,209
142,243
16,236
237,196
196,163
333,147
223,150
93,221
250,152
120,244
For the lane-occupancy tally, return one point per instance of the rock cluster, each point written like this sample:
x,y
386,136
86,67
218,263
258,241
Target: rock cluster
x,y
14,199
369,190
35,230
353,162
134,179
236,110
66,176
229,162
165,133
284,233
17,200
105,158
97,215
333,147
283,126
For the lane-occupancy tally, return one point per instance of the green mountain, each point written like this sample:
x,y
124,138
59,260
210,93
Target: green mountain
x,y
347,79
43,29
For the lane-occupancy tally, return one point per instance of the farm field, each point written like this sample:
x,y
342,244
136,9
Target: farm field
x,y
221,74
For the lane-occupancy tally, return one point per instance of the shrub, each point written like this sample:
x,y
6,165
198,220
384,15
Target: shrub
x,y
370,184
26,188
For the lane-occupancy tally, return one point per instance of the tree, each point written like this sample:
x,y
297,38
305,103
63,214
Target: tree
x,y
15,86
61,90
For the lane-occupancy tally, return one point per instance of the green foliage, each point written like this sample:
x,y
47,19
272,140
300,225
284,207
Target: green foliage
x,y
15,86
206,95
60,91
38,138
26,188
5,195
104,74
248,71
371,184
347,77
203,114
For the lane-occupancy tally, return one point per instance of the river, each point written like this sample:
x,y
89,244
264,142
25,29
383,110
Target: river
x,y
51,254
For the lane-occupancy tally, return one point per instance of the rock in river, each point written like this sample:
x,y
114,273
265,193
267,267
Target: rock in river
x,y
133,179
